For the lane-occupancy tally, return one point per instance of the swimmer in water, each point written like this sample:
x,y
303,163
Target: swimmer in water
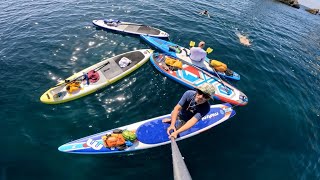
x,y
243,39
205,12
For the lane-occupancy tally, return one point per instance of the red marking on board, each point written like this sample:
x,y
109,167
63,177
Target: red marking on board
x,y
193,70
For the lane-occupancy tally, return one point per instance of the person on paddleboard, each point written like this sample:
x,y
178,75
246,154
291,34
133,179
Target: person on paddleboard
x,y
198,54
192,106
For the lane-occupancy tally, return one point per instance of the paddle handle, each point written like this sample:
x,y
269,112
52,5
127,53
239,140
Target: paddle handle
x,y
180,170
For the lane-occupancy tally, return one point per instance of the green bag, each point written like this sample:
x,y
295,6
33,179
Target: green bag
x,y
128,135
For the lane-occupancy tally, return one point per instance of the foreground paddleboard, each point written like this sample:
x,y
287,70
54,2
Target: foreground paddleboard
x,y
163,46
106,72
150,133
193,77
131,28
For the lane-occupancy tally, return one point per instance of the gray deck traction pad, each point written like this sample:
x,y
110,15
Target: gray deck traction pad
x,y
113,69
142,29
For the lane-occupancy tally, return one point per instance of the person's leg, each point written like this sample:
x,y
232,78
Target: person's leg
x,y
180,123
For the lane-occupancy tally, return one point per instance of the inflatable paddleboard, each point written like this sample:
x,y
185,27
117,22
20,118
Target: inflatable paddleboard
x,y
131,28
182,53
96,77
193,77
148,134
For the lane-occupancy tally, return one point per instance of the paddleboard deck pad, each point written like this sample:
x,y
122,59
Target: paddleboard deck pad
x,y
182,53
193,77
131,28
96,77
149,133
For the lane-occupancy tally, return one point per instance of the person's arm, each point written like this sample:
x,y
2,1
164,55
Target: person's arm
x,y
176,110
174,116
191,122
185,127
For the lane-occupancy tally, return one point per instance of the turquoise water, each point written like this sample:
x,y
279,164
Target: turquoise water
x,y
276,136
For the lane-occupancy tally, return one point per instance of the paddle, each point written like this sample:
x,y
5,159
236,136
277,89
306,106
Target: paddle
x,y
221,80
209,50
180,170
192,43
131,24
84,74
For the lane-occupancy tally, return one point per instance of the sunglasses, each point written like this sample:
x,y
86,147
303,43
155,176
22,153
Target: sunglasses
x,y
206,96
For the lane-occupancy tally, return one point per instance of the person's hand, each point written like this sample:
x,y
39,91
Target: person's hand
x,y
174,135
171,127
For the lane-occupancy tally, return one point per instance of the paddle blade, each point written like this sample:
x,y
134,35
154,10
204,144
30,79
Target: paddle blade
x,y
192,43
209,50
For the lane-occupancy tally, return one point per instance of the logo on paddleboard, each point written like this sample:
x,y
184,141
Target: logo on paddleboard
x,y
208,116
94,144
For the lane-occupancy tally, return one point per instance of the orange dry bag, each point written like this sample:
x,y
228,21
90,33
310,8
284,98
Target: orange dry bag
x,y
218,66
113,140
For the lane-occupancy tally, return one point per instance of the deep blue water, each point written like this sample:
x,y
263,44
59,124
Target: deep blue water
x,y
276,136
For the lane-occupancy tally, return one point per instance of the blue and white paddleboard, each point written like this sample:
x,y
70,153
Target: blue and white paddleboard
x,y
150,133
193,77
163,46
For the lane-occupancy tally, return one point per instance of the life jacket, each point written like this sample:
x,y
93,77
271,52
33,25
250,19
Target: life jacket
x,y
173,62
218,66
73,86
113,140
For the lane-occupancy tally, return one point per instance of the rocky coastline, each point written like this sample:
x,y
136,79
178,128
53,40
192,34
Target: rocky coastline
x,y
295,4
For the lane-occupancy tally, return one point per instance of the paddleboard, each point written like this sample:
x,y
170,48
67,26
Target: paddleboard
x,y
149,133
131,28
193,77
182,53
97,76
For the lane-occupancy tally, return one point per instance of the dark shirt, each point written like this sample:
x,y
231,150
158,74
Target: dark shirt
x,y
190,108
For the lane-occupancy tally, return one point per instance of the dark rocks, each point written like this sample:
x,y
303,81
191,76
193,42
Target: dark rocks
x,y
293,3
313,11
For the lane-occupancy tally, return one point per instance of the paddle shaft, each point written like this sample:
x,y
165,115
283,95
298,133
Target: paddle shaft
x,y
96,69
131,24
219,77
180,170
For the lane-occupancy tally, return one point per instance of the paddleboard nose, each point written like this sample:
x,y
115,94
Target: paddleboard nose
x,y
243,98
45,98
62,148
